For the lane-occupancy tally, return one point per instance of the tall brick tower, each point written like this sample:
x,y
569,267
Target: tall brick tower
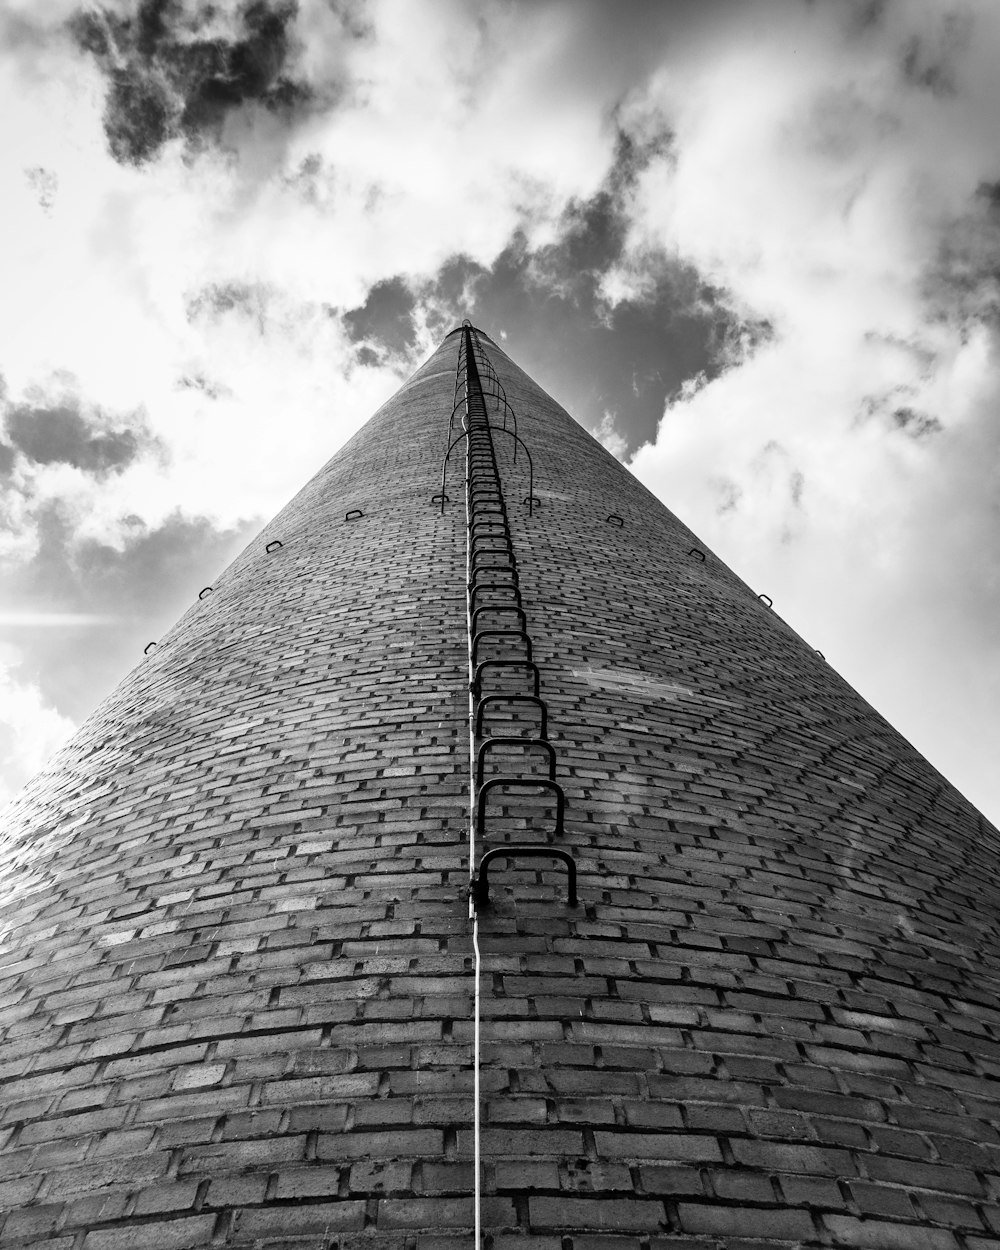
x,y
728,971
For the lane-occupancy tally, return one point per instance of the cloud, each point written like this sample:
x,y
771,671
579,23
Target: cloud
x,y
53,620
65,453
120,599
608,436
123,596
605,327
961,283
177,70
30,731
248,300
834,178
62,435
45,185
385,320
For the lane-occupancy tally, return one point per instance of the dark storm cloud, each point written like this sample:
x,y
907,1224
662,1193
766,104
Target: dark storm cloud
x,y
628,359
174,72
141,590
63,433
384,322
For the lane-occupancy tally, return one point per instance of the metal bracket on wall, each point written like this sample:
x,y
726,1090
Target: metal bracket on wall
x,y
505,587
495,568
525,664
520,634
520,783
496,608
481,552
533,699
480,888
489,523
525,743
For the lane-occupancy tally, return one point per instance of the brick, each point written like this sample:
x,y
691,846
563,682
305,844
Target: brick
x,y
680,1146
923,1175
319,1217
19,1192
879,1235
742,1187
127,1172
619,1215
180,1234
310,1182
28,1224
170,1197
518,1142
427,1213
882,1200
237,1155
233,1191
746,1222
416,1143
775,1157
667,1181
812,1191
523,1176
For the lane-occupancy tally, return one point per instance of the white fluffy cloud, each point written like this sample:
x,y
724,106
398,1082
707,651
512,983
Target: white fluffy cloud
x,y
202,292
30,731
104,264
826,176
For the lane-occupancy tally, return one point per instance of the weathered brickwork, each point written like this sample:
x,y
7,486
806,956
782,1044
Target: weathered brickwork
x,y
773,1021
236,963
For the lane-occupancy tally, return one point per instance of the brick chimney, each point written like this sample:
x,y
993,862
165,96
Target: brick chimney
x,y
240,1003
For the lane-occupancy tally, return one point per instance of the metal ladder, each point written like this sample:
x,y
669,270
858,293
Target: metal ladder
x,y
500,646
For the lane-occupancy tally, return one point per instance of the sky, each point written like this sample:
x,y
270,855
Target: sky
x,y
753,246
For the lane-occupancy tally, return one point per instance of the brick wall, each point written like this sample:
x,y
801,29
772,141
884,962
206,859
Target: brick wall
x,y
236,960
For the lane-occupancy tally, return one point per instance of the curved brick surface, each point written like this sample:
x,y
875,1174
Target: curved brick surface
x,y
236,962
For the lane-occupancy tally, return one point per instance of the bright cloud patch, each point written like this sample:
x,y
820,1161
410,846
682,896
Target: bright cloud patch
x,y
30,731
846,200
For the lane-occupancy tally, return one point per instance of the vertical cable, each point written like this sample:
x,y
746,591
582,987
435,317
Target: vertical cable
x,y
476,1126
475,1086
